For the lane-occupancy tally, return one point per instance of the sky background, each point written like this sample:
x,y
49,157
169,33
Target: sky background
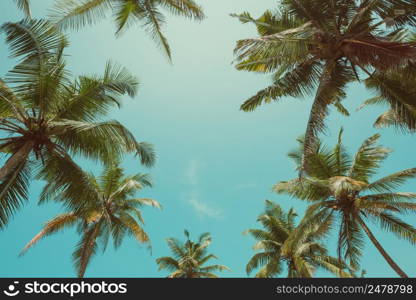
x,y
216,164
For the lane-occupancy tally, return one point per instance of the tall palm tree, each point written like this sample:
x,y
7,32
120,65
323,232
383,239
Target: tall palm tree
x,y
317,47
280,242
189,258
44,115
100,207
78,13
339,186
24,5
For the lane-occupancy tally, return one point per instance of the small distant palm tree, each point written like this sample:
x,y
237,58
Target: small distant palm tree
x,y
189,258
78,13
45,115
318,47
282,242
101,208
339,186
24,5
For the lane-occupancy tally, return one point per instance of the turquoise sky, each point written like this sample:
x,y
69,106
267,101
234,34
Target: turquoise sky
x,y
216,165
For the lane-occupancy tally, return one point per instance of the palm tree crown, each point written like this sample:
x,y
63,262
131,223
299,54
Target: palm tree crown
x,y
319,46
46,117
76,14
339,186
100,207
281,241
189,258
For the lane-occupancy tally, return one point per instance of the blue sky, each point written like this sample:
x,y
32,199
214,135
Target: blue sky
x,y
216,165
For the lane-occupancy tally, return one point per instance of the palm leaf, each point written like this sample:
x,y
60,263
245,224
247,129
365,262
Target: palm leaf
x,y
14,191
367,159
76,14
32,38
393,181
56,224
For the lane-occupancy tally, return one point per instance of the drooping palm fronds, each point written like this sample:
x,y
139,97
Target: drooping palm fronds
x,y
340,185
48,116
24,5
189,258
397,91
101,207
298,247
317,47
79,13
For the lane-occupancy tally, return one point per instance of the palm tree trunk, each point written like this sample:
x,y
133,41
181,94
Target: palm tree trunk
x,y
380,248
16,159
291,270
88,248
316,118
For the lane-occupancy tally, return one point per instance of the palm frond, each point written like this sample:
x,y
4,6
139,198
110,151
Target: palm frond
x,y
215,268
56,224
32,38
167,263
187,8
76,14
24,5
350,240
367,159
14,191
106,140
153,23
297,81
67,183
134,228
393,181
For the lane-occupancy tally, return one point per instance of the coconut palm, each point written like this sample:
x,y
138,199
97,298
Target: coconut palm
x,y
281,243
101,208
24,5
339,186
318,47
78,13
44,115
189,258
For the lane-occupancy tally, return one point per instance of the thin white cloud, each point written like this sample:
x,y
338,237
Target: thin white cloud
x,y
202,208
192,172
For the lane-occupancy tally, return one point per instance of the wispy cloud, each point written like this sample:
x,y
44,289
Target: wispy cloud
x,y
192,172
202,208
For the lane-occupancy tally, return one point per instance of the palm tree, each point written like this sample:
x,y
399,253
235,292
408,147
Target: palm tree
x,y
280,242
189,258
78,13
100,207
46,116
320,46
340,187
24,5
